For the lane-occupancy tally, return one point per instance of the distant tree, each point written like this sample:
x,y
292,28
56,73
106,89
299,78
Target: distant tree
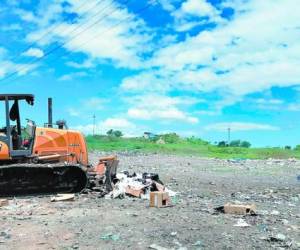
x,y
110,132
222,144
288,147
114,133
245,144
117,133
235,143
297,147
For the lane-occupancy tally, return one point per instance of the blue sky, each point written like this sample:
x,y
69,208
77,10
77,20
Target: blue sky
x,y
195,67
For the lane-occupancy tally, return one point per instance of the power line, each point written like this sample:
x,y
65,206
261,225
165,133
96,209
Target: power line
x,y
61,45
46,34
66,33
141,10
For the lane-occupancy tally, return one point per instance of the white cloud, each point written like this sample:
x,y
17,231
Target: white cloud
x,y
202,12
85,64
128,128
269,101
9,67
72,76
26,16
240,126
161,108
254,51
34,52
117,123
98,33
197,8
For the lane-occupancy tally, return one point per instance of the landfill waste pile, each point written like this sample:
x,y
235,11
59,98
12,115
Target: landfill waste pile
x,y
137,185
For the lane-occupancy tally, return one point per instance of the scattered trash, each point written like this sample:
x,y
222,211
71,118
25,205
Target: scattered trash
x,y
5,235
174,199
3,202
157,247
239,209
263,228
274,212
63,197
133,192
137,185
173,234
198,243
241,223
277,238
159,199
110,236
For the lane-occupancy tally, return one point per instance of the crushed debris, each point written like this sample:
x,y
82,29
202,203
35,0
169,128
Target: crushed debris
x,y
137,185
3,202
157,247
110,236
241,223
63,197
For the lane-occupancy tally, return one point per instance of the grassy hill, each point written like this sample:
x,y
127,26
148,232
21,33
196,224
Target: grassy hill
x,y
183,146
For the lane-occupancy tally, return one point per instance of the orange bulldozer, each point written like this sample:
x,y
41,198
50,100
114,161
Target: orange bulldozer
x,y
42,160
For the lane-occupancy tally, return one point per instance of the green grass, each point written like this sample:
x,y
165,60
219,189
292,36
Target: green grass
x,y
195,147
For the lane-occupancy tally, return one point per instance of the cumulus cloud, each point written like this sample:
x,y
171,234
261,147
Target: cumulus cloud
x,y
240,126
202,12
127,127
72,76
98,33
161,108
230,58
34,52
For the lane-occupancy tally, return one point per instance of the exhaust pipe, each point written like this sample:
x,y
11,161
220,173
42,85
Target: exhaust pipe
x,y
50,112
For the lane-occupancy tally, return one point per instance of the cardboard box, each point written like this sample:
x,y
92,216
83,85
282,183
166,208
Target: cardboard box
x,y
159,199
134,192
3,202
239,209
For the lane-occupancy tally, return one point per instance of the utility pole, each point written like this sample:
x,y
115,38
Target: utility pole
x,y
94,124
228,139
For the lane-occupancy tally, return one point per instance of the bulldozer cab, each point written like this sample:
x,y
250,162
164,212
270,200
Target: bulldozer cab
x,y
18,139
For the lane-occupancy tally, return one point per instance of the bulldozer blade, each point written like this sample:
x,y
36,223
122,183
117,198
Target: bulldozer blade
x,y
28,179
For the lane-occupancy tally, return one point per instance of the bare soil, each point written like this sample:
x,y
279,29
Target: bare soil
x,y
91,222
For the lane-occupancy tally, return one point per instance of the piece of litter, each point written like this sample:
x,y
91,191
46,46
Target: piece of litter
x,y
157,247
159,199
278,237
63,197
241,223
3,202
275,212
198,243
239,209
110,236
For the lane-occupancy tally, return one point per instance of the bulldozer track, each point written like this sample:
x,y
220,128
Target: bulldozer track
x,y
27,179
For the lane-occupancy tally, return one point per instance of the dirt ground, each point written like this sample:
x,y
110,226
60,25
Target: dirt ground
x,y
202,184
